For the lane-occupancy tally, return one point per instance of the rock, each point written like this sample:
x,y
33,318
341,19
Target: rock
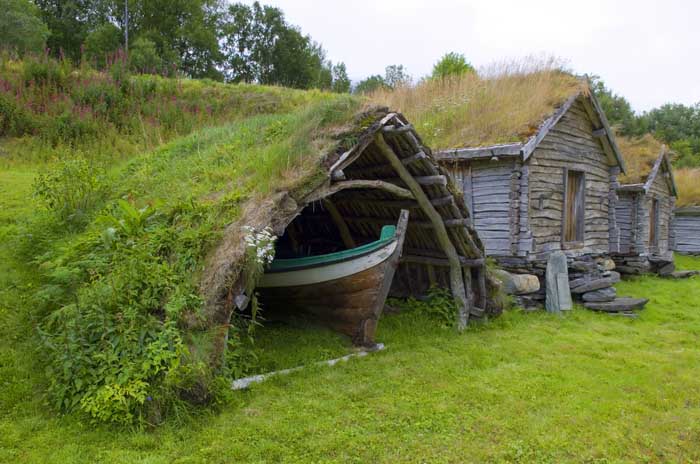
x,y
581,266
557,284
683,274
595,284
666,269
607,265
600,296
517,284
615,276
629,270
617,305
578,282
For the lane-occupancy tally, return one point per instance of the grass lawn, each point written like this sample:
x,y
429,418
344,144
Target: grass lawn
x,y
584,387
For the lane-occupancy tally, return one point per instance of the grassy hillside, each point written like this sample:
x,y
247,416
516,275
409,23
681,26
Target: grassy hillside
x,y
526,388
50,110
106,227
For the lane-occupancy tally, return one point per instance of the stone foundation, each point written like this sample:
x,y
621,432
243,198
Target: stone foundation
x,y
589,277
637,264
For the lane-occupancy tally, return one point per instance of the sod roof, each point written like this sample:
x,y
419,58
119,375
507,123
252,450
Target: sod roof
x,y
505,106
640,154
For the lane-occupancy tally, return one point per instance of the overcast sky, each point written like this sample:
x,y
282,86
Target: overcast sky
x,y
648,51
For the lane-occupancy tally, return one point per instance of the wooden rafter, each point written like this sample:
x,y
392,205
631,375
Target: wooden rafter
x,y
456,277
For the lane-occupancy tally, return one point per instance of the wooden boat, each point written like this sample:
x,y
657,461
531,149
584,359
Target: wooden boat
x,y
345,290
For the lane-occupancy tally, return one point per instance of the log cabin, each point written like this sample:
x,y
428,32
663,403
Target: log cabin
x,y
553,190
646,199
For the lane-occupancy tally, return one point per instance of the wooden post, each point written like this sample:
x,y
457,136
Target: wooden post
x,y
339,223
456,278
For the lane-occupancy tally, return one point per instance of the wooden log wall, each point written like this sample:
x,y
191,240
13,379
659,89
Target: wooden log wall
x,y
627,220
686,231
491,191
570,144
661,191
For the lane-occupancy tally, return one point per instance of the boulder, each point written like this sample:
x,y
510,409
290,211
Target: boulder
x,y
629,270
607,265
618,305
517,284
557,284
666,269
600,296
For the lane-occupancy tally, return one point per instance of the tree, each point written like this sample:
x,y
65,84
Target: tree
x,y
616,108
102,42
21,29
341,81
370,84
451,64
396,76
259,46
144,58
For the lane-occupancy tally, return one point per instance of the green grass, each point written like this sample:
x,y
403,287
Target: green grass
x,y
585,387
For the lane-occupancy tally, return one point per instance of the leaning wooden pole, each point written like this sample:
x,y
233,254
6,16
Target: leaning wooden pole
x,y
456,278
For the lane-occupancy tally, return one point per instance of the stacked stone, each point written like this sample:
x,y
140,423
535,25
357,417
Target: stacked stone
x,y
591,281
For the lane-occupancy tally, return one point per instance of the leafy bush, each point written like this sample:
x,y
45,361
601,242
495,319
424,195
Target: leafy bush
x,y
101,43
72,190
115,298
47,72
439,305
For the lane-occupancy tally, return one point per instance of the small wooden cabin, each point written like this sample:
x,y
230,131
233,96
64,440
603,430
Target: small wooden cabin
x,y
685,230
553,190
645,210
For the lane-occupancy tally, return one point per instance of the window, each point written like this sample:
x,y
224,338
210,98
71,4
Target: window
x,y
574,206
654,223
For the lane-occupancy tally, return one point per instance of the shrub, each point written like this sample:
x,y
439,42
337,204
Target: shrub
x,y
144,58
101,43
72,190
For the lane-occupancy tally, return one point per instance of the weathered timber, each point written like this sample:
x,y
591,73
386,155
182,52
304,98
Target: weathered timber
x,y
456,280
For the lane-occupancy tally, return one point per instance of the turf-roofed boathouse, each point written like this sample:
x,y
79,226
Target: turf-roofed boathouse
x,y
685,230
554,190
384,175
644,215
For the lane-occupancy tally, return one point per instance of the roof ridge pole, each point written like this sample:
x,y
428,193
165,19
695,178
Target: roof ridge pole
x,y
456,277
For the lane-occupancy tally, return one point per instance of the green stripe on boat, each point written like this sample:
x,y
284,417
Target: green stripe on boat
x,y
386,236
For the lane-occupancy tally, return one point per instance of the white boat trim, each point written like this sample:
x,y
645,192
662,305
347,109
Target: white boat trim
x,y
325,273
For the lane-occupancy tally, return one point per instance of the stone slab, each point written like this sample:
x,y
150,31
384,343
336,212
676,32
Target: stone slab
x,y
600,296
618,305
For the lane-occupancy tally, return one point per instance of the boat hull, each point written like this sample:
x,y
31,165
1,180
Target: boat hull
x,y
347,296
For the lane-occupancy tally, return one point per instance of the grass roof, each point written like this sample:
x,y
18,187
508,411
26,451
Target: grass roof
x,y
688,183
640,154
505,103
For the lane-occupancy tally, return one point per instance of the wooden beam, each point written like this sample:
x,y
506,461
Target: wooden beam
x,y
337,218
466,154
397,130
329,190
456,280
423,180
385,166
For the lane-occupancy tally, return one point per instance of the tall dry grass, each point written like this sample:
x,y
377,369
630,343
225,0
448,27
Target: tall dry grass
x,y
505,102
640,154
688,183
